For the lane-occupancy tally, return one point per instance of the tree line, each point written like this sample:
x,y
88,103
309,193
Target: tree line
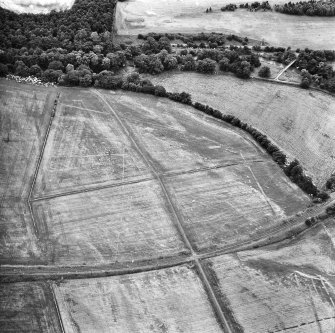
x,y
310,8
254,6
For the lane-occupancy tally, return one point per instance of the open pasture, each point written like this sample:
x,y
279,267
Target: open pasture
x,y
24,117
125,223
233,204
301,122
188,16
86,148
28,307
280,288
177,138
168,300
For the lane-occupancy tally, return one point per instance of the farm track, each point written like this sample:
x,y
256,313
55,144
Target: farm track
x,y
284,69
52,115
19,273
211,295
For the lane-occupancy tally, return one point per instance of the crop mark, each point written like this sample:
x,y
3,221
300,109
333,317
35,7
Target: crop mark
x,y
258,184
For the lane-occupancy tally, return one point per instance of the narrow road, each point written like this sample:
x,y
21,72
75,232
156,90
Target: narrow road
x,y
284,69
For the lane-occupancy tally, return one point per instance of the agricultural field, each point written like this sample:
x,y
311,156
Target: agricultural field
x,y
280,288
90,209
126,223
188,16
168,300
233,204
28,307
130,182
301,122
25,115
178,138
86,148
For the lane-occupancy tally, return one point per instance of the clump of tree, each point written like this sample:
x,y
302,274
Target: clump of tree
x,y
330,184
231,7
270,49
309,8
254,6
315,68
264,72
206,65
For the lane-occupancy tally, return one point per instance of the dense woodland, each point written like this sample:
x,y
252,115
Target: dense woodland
x,y
310,8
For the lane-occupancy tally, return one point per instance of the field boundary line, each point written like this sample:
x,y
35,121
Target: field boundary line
x,y
39,161
54,298
146,179
210,292
92,189
85,109
171,174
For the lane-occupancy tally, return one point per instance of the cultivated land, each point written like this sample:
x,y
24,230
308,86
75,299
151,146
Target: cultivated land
x,y
144,16
130,183
169,300
301,122
233,204
86,148
280,288
118,224
25,115
172,152
28,307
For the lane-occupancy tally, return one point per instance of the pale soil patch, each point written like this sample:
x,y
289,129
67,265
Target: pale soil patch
x,y
278,290
179,138
27,307
36,6
233,204
301,122
168,300
86,148
188,16
125,223
24,115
